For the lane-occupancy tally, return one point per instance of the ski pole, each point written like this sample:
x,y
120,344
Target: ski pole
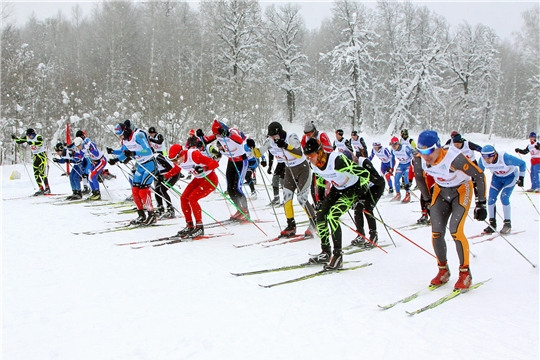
x,y
505,239
230,200
400,234
268,193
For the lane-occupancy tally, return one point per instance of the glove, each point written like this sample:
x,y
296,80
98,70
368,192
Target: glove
x,y
110,150
537,146
13,137
181,175
29,142
480,212
281,143
56,160
263,163
129,153
520,181
223,132
160,177
68,161
199,133
113,162
269,171
250,143
198,169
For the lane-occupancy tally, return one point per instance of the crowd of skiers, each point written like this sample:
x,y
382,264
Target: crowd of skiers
x,y
339,176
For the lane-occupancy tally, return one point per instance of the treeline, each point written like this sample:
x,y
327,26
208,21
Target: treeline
x,y
169,65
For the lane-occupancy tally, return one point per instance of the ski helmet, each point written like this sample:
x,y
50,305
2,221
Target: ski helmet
x,y
274,128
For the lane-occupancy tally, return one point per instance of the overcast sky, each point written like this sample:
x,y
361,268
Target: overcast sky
x,y
503,16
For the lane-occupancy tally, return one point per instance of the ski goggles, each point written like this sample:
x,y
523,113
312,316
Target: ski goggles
x,y
427,150
488,155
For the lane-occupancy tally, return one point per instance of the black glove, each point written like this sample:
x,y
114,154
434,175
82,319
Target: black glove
x,y
56,160
199,133
182,175
223,132
269,171
480,212
198,169
537,146
110,150
160,177
517,150
68,161
129,153
29,142
520,181
250,143
281,143
113,161
263,163
13,137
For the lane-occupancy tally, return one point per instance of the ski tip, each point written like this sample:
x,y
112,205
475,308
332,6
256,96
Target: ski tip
x,y
265,286
410,313
237,274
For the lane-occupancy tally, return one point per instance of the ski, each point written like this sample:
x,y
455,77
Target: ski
x,y
81,201
283,268
118,228
289,240
362,249
176,239
277,238
411,297
413,226
233,222
448,297
36,196
318,273
494,236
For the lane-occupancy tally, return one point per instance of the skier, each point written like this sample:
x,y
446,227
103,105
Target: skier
x,y
508,171
349,183
286,148
156,141
86,165
403,152
405,139
161,188
387,162
232,146
204,182
37,146
135,145
253,155
368,203
343,145
310,131
76,159
359,145
98,162
450,201
534,148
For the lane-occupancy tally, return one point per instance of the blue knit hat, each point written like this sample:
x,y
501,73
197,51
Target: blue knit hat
x,y
532,134
428,138
488,151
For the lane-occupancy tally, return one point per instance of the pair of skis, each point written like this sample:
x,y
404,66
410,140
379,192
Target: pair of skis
x,y
492,236
169,240
452,295
301,266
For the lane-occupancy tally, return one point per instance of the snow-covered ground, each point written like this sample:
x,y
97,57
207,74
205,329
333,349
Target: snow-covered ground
x,y
67,296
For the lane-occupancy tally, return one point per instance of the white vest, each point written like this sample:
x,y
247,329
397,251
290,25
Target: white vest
x,y
442,173
340,180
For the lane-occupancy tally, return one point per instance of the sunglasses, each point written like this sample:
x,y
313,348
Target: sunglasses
x,y
489,155
427,151
310,156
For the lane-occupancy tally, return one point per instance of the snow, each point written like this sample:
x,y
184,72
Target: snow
x,y
67,296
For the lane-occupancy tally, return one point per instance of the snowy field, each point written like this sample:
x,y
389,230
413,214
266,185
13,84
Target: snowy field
x,y
67,296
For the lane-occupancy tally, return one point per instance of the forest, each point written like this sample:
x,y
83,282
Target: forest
x,y
176,66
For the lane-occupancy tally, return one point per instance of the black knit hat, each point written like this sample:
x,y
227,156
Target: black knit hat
x,y
312,146
274,128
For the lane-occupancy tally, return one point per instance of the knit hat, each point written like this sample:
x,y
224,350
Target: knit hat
x,y
532,134
457,138
309,127
428,138
488,151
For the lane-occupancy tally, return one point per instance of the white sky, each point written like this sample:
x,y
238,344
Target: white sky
x,y
503,16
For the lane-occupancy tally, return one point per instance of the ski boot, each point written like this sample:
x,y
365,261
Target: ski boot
x,y
196,231
492,226
397,197
274,202
310,232
374,238
442,276
424,219
336,262
151,219
186,231
96,195
465,278
290,230
140,219
321,258
507,227
407,198
358,241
